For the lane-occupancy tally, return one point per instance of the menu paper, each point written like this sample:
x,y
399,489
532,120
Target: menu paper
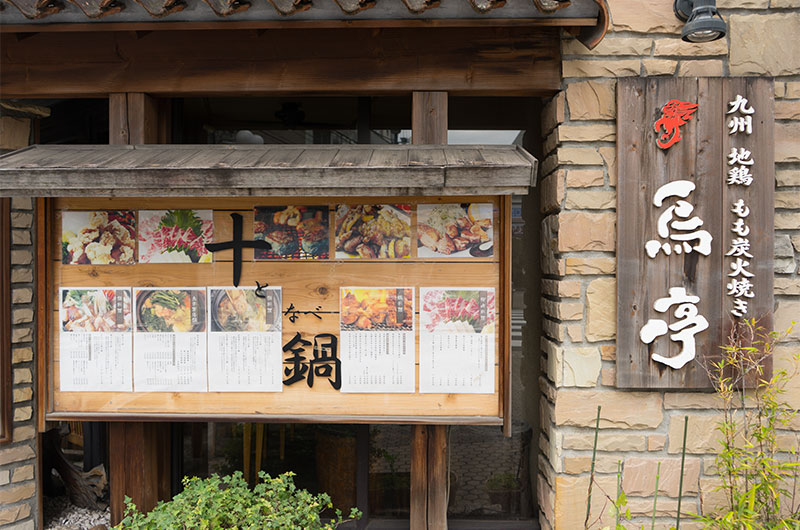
x,y
169,347
457,340
244,340
95,346
377,339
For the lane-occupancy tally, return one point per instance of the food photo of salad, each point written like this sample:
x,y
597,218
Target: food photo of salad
x,y
455,230
105,237
242,310
373,231
175,236
295,232
170,310
95,309
458,310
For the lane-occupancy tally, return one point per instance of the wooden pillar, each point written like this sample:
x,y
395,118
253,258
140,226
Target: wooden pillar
x,y
139,452
429,443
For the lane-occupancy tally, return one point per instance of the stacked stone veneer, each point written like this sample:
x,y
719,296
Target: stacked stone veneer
x,y
579,265
18,469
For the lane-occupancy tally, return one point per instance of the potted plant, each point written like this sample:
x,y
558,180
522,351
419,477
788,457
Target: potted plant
x,y
504,489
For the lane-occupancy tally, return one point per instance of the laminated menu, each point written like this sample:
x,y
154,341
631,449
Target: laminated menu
x,y
244,339
377,338
169,352
457,340
95,346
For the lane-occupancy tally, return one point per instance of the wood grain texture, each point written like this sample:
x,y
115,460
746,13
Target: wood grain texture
x,y
508,61
701,157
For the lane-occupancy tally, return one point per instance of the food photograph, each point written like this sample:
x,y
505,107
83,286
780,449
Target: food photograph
x,y
99,310
175,236
458,310
455,230
376,309
373,231
295,232
170,310
237,310
106,237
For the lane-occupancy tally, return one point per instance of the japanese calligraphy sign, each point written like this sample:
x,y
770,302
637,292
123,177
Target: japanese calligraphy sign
x,y
695,223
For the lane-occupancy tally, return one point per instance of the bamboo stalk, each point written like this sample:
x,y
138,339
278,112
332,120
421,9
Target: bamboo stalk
x,y
591,475
683,460
616,499
655,497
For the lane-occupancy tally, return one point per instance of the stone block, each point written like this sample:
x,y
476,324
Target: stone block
x,y
21,203
553,113
654,67
21,355
639,476
610,45
553,329
581,366
792,89
601,310
22,316
19,335
27,525
786,220
21,219
591,200
620,410
20,237
702,436
569,288
764,44
796,242
592,100
14,513
585,178
711,496
787,138
787,286
23,473
575,332
693,401
608,352
784,265
595,132
787,312
665,507
780,89
608,377
622,442
600,68
21,257
609,155
709,67
22,296
17,493
14,132
24,393
656,442
787,199
787,109
571,493
579,156
22,413
26,432
644,16
586,231
783,246
5,477
22,375
590,265
575,465
678,47
552,190
549,164
21,275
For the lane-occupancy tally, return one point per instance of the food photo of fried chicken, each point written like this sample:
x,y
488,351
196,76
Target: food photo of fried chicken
x,y
373,231
105,237
380,309
295,232
455,230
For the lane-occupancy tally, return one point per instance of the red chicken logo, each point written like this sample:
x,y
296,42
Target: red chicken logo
x,y
674,114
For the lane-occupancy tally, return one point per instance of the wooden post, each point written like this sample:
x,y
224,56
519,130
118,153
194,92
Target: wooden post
x,y
139,453
429,443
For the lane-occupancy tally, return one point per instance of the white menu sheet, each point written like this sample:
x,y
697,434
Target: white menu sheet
x,y
377,339
169,347
244,339
95,339
457,340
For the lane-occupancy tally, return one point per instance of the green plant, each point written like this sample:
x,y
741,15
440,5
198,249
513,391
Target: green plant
x,y
502,482
758,481
227,502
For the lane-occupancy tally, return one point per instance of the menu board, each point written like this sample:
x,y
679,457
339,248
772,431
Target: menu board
x,y
336,308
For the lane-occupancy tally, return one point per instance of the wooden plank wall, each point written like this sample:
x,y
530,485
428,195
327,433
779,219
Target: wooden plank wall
x,y
701,157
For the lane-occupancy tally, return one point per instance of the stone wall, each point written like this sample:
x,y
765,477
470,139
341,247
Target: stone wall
x,y
578,245
18,468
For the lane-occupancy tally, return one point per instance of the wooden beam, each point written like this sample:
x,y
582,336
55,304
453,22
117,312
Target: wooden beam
x,y
429,117
466,61
419,477
132,119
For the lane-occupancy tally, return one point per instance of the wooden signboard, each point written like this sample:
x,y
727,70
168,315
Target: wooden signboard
x,y
344,298
695,223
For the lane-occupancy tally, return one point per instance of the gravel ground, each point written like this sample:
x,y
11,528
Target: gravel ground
x,y
60,514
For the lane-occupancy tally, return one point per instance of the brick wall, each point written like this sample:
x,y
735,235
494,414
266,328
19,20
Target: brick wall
x,y
18,469
578,246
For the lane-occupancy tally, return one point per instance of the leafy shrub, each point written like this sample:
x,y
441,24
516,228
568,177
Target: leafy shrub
x,y
227,502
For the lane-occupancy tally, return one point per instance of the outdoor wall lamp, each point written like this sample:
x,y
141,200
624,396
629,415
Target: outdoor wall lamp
x,y
703,21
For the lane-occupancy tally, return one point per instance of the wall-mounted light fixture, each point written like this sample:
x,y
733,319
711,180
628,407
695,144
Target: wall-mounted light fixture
x,y
703,21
